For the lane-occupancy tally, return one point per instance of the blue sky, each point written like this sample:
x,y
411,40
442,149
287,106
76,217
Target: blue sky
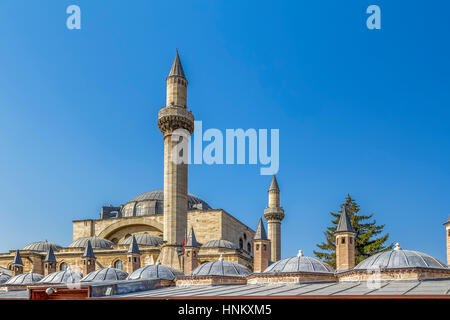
x,y
359,111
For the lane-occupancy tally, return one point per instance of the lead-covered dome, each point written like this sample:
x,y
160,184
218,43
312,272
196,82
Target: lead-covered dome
x,y
400,259
64,276
220,244
300,263
155,271
221,268
4,277
42,246
25,278
105,274
152,202
144,239
96,243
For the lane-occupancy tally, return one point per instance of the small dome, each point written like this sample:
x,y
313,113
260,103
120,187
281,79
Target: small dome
x,y
25,278
105,274
64,276
300,263
96,242
41,246
155,271
220,244
144,239
398,258
221,268
4,277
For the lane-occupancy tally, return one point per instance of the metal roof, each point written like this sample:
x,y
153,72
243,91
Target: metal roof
x,y
134,248
4,277
158,195
274,184
221,268
345,224
260,233
299,263
25,278
64,276
155,271
50,256
88,252
42,246
191,240
177,68
96,242
105,274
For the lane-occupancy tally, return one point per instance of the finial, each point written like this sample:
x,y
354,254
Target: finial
x,y
158,262
300,253
221,258
397,247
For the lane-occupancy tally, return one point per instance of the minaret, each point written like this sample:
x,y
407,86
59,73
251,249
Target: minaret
x,y
133,256
49,262
191,249
177,124
88,259
17,264
447,237
261,249
345,242
274,214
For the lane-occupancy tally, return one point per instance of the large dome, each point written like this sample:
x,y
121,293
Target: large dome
x,y
221,268
220,244
155,271
399,259
64,276
144,239
4,277
25,278
96,242
152,202
105,274
299,263
41,246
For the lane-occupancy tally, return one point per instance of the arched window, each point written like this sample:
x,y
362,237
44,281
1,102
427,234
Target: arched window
x,y
249,247
118,265
241,243
63,266
245,236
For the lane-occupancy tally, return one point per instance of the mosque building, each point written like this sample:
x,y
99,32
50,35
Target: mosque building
x,y
168,242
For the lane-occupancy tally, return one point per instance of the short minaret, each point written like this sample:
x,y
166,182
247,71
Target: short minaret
x,y
447,237
133,256
17,265
261,249
191,249
177,124
274,214
49,262
88,259
345,242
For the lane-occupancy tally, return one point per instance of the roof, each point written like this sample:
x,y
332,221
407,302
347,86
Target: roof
x,y
134,248
359,288
194,202
191,240
144,239
17,259
4,277
345,224
88,252
260,233
105,274
50,257
274,184
25,278
155,271
221,268
42,246
64,276
399,258
220,244
177,68
96,242
299,263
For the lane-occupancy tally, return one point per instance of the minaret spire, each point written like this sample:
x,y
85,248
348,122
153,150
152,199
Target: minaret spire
x,y
177,67
345,242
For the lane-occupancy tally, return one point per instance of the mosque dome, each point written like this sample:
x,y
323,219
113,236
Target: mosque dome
x,y
64,276
400,259
105,274
96,242
300,263
25,278
220,244
42,246
144,239
152,202
155,271
221,268
4,277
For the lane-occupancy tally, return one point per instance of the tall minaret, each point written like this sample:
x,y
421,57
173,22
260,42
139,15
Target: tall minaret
x,y
274,214
447,239
172,117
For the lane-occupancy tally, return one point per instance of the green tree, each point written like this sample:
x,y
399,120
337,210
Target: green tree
x,y
368,238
